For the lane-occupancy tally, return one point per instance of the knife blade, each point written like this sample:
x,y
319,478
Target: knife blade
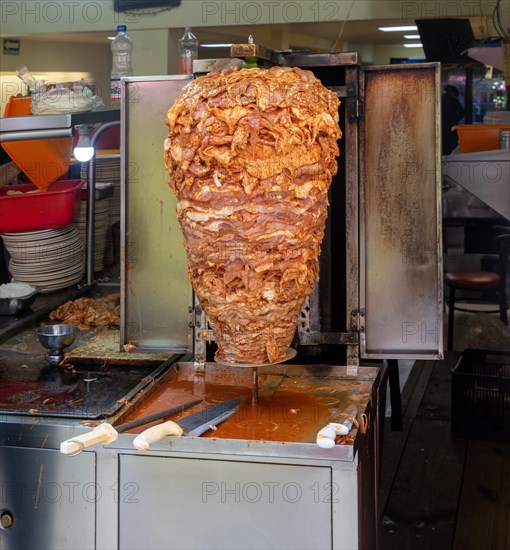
x,y
105,433
193,425
156,416
327,435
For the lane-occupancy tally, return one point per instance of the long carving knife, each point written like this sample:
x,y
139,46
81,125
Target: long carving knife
x,y
105,433
193,425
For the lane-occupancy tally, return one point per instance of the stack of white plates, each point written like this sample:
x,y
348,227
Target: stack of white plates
x,y
50,259
101,227
108,171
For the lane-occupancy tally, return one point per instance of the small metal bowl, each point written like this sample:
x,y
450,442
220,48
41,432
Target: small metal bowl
x,y
15,306
56,337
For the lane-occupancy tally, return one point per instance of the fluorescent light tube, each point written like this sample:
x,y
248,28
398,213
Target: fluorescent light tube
x,y
399,29
215,45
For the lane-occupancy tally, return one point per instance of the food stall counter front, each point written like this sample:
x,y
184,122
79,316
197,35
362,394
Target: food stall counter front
x,y
258,480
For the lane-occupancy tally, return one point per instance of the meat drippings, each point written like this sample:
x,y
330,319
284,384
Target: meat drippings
x,y
294,412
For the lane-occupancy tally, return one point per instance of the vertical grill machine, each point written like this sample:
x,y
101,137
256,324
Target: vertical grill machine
x,y
259,480
380,293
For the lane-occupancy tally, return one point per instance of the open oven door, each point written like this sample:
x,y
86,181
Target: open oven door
x,y
156,296
401,294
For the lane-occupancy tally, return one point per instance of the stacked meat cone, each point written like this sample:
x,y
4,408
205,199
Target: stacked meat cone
x,y
250,155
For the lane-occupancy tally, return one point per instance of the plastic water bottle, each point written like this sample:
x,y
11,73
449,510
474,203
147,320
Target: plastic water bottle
x,y
188,51
121,47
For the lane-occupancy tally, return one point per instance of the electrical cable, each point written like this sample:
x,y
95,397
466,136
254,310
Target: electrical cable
x,y
495,22
342,27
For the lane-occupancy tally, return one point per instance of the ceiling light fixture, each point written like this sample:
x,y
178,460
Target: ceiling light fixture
x,y
417,45
412,36
404,28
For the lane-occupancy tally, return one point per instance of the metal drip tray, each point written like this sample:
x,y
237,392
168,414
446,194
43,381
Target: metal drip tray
x,y
91,383
295,402
32,387
90,390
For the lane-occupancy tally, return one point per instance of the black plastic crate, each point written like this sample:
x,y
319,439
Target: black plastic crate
x,y
481,395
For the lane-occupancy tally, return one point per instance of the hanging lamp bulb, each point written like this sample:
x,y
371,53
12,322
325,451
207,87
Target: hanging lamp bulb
x,y
83,150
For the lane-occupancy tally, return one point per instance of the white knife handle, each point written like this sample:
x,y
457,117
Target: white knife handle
x,y
143,441
103,434
326,437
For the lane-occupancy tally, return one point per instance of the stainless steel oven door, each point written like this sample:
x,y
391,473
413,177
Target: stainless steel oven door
x,y
155,292
401,293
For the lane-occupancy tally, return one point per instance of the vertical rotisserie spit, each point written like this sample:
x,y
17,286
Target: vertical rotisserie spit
x,y
250,155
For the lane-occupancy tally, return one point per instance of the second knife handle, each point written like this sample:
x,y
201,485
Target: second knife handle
x,y
326,437
143,441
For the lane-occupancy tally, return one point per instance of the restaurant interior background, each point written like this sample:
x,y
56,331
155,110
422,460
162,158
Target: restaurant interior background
x,y
69,40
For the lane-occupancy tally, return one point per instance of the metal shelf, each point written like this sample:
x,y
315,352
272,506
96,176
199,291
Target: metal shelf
x,y
29,127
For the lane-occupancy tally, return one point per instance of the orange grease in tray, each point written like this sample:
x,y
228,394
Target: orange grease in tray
x,y
293,413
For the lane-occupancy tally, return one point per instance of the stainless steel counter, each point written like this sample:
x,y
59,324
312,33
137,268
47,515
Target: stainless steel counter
x,y
202,492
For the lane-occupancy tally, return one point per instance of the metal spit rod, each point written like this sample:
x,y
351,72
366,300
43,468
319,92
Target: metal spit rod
x,y
255,388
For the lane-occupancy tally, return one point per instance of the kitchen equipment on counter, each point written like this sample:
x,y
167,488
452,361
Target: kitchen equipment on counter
x,y
25,208
27,128
274,486
18,304
87,390
294,403
43,161
105,433
56,338
384,225
376,230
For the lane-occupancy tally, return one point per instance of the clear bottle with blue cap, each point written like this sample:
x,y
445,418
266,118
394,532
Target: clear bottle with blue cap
x,y
122,48
188,51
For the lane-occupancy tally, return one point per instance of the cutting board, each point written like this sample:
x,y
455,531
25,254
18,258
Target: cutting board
x,y
103,349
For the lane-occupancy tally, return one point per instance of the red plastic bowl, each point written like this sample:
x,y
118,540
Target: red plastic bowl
x,y
24,211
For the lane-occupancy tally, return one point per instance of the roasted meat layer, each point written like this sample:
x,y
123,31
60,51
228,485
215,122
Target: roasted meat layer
x,y
250,155
90,313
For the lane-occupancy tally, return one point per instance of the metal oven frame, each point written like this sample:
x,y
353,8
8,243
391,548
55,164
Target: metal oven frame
x,y
395,316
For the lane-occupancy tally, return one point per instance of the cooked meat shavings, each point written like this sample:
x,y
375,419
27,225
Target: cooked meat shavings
x,y
250,155
128,347
90,313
